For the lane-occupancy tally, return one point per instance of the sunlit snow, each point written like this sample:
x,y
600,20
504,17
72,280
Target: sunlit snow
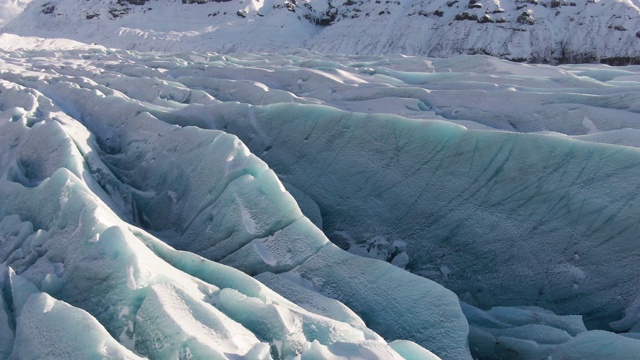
x,y
548,31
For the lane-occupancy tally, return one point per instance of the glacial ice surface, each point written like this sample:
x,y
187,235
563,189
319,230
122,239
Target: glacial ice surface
x,y
145,197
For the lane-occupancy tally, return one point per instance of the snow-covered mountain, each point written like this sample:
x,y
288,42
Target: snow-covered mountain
x,y
547,31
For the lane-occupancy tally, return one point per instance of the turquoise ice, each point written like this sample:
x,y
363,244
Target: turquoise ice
x,y
299,205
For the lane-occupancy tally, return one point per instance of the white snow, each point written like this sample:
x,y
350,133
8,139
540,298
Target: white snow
x,y
11,9
574,31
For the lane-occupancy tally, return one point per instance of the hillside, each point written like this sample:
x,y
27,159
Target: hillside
x,y
541,31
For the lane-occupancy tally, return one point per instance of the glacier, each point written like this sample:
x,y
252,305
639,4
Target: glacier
x,y
245,205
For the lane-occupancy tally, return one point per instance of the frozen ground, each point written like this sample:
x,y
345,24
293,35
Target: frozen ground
x,y
135,185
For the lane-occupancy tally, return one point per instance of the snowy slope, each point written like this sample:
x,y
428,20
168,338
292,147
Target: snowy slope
x,y
547,31
530,30
10,9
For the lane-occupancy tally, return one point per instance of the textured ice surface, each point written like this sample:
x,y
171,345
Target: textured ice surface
x,y
53,329
481,212
62,239
79,162
134,183
534,333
